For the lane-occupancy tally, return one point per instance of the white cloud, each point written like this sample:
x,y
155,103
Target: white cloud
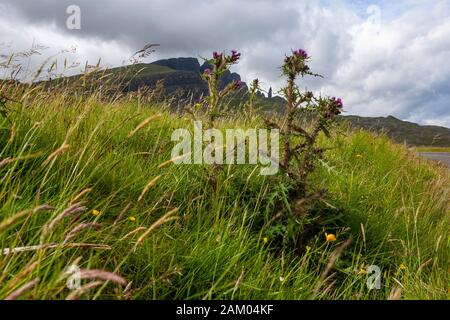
x,y
402,69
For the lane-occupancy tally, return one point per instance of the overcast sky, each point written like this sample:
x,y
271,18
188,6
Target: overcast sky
x,y
382,57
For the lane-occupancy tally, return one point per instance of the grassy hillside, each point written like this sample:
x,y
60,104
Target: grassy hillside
x,y
175,239
136,72
142,70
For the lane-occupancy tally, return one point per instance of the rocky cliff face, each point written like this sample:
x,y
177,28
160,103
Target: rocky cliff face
x,y
185,79
185,83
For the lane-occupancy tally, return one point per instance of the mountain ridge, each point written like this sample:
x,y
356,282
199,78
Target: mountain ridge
x,y
403,131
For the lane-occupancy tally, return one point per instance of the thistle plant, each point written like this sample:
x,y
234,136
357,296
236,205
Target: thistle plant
x,y
220,63
305,118
252,95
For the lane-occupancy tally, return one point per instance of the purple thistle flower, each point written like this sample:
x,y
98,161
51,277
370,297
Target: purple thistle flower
x,y
338,103
217,55
301,53
235,56
207,72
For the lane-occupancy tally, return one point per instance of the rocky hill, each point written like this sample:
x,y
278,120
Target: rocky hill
x,y
180,75
403,131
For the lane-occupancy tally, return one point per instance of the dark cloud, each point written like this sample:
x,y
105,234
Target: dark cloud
x,y
180,26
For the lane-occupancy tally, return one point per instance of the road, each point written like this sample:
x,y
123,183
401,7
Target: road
x,y
443,157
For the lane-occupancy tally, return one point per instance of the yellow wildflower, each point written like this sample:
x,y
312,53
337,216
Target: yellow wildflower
x,y
265,240
359,155
403,266
133,219
362,271
96,213
330,237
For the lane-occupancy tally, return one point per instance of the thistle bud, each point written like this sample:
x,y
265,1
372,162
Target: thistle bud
x,y
235,56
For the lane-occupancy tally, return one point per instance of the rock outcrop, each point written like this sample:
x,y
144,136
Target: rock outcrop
x,y
184,79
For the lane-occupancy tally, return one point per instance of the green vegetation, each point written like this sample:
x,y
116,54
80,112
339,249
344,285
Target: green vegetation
x,y
142,70
182,241
433,149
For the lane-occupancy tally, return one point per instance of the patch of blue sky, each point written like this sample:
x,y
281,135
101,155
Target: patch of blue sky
x,y
389,9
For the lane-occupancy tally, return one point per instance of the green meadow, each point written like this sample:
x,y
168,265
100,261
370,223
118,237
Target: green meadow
x,y
88,184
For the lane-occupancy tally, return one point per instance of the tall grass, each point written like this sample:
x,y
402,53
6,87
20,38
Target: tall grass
x,y
73,171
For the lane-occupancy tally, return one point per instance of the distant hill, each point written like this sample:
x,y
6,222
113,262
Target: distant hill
x,y
403,131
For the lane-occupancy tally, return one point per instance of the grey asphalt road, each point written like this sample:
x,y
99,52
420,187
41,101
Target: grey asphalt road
x,y
443,157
